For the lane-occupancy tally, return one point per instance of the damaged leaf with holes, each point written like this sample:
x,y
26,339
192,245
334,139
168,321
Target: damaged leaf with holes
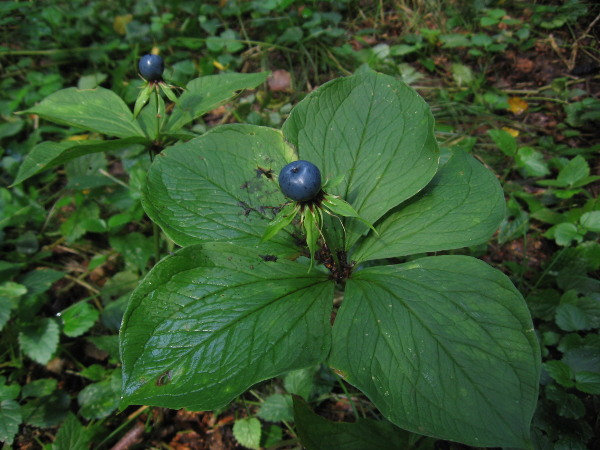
x,y
444,346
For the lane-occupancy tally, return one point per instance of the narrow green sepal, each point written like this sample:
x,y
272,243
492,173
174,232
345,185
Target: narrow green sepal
x,y
281,220
310,224
142,99
168,92
342,208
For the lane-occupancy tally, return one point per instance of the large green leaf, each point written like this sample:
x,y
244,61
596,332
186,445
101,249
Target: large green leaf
x,y
99,110
462,206
51,154
211,320
375,130
72,434
318,433
204,94
218,187
443,346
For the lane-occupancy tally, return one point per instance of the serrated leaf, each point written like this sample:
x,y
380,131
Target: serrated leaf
x,y
47,411
318,433
276,408
444,336
10,293
532,162
47,155
247,432
567,405
39,388
505,142
374,129
136,249
301,382
585,359
565,233
218,187
108,344
10,419
8,391
571,317
99,400
560,372
462,74
38,281
462,206
575,170
78,318
591,221
72,435
214,319
588,382
204,94
99,110
39,339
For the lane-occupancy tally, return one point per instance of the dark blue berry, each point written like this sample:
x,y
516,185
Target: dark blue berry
x,y
151,67
300,181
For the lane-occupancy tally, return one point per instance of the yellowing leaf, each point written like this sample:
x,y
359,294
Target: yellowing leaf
x,y
511,131
78,137
218,65
517,105
155,51
120,23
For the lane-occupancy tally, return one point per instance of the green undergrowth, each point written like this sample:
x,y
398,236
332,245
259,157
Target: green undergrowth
x,y
514,85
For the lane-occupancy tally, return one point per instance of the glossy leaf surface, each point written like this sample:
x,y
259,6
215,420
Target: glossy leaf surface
x,y
443,346
374,129
220,187
99,110
212,320
50,154
204,94
462,206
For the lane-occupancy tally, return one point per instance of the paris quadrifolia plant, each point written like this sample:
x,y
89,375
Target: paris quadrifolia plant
x,y
351,197
113,125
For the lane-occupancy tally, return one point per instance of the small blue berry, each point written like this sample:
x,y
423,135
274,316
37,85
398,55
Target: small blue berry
x,y
300,181
151,67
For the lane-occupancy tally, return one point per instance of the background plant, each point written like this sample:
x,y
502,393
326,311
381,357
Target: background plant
x,y
539,86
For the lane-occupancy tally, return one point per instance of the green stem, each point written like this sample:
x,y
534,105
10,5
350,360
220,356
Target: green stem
x,y
156,236
130,419
543,275
348,396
